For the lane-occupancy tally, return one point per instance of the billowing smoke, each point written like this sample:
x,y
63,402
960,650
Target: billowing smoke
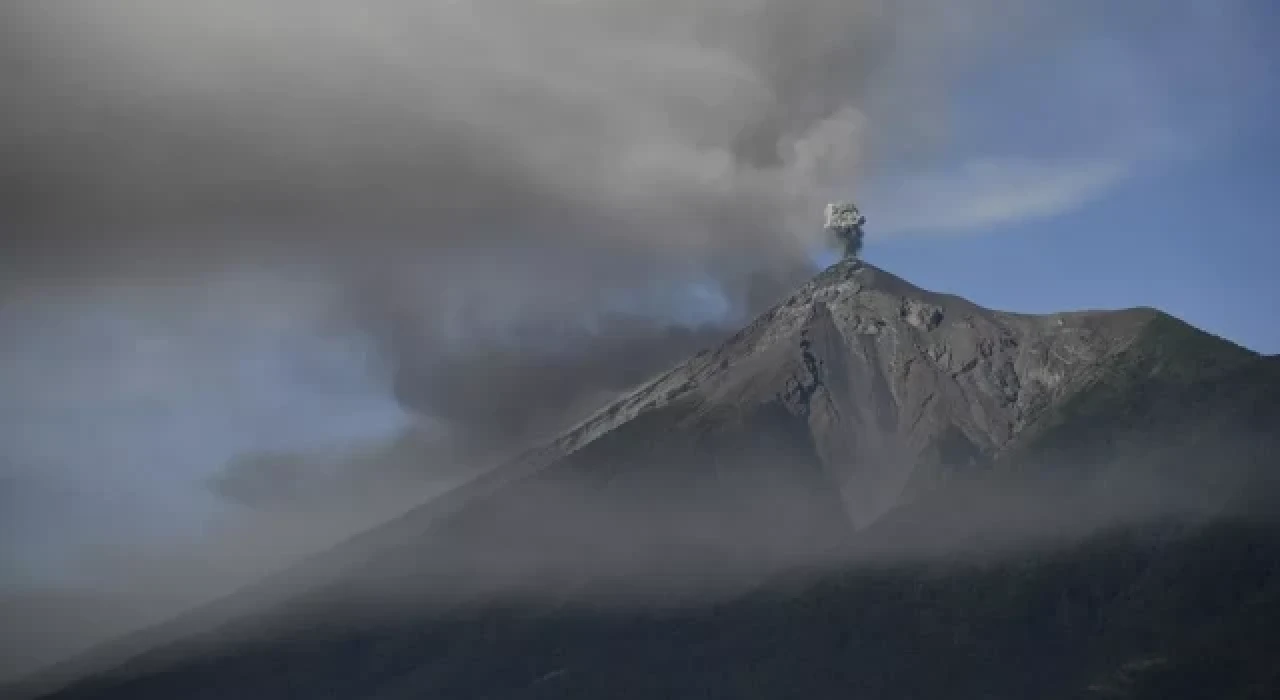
x,y
532,183
845,222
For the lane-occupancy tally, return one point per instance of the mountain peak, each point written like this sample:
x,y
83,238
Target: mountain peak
x,y
895,386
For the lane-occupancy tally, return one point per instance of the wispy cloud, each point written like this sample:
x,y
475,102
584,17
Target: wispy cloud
x,y
983,194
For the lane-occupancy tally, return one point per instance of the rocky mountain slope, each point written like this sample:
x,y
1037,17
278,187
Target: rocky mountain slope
x,y
1049,487
891,387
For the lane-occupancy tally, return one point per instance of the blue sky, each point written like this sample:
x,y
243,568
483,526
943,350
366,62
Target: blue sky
x,y
1196,239
1138,168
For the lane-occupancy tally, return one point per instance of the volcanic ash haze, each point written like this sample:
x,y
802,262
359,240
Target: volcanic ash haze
x,y
475,179
667,129
495,216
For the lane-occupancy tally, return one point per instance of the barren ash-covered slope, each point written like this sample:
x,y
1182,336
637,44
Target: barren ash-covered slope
x,y
892,386
855,412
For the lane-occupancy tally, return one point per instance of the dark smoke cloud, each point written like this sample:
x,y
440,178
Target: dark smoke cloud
x,y
851,239
845,222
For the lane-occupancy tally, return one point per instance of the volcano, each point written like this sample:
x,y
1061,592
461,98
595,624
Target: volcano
x,y
873,490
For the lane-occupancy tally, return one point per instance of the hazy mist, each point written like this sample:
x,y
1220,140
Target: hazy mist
x,y
302,227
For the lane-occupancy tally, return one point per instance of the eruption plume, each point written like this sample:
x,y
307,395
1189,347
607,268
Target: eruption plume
x,y
845,221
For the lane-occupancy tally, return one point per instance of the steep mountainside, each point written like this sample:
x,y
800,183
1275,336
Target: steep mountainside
x,y
894,389
862,415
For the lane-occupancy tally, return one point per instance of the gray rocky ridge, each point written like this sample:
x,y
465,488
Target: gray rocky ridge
x,y
894,386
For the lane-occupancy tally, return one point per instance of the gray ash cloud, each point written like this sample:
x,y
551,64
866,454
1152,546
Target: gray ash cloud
x,y
498,159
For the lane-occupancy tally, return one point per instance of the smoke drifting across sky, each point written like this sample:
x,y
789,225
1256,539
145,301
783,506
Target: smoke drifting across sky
x,y
460,168
226,222
459,165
